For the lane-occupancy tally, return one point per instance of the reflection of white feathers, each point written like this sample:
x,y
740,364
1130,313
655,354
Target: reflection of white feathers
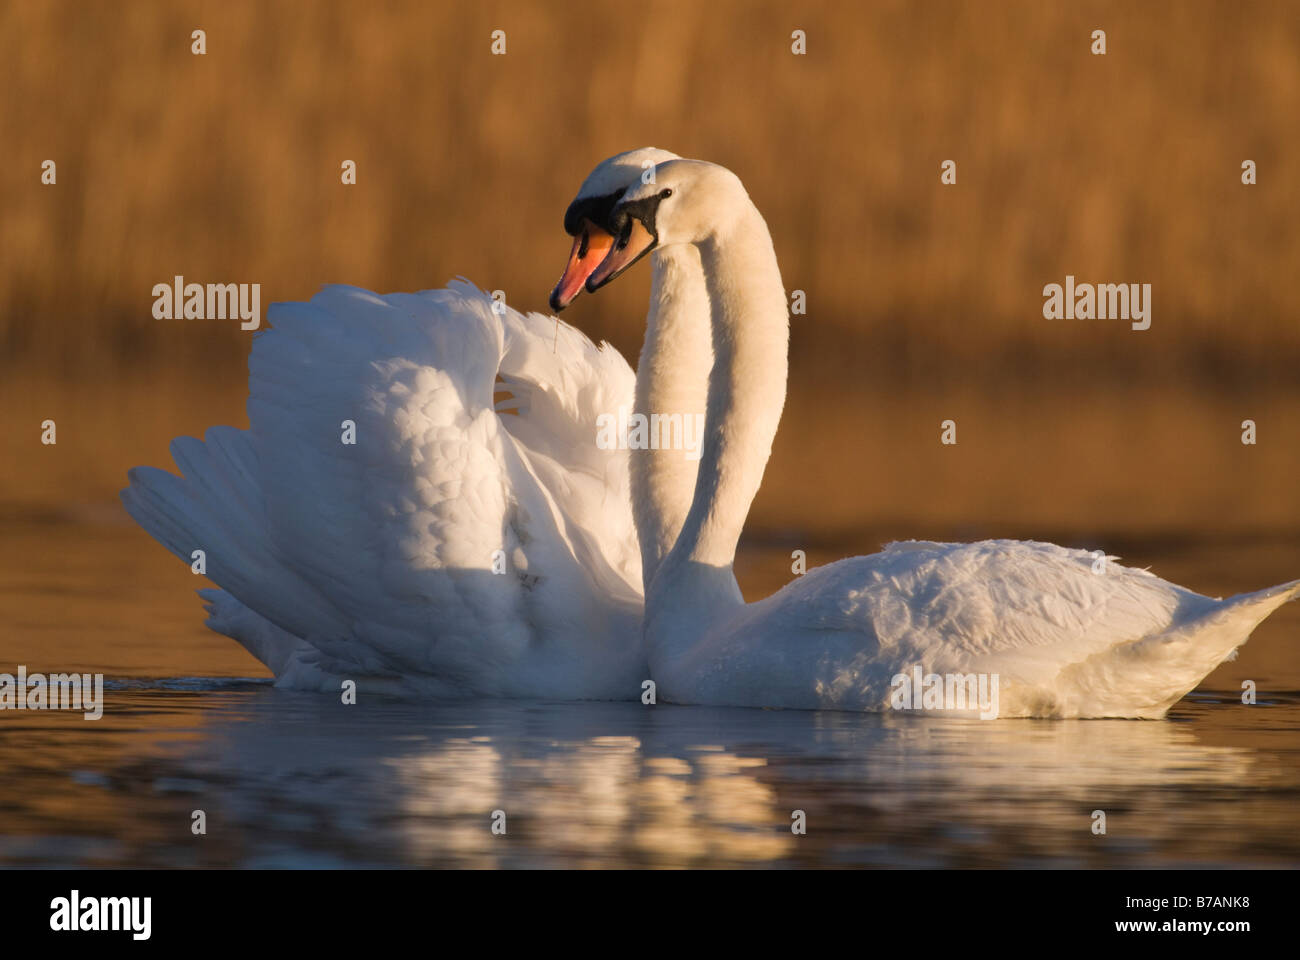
x,y
597,784
375,559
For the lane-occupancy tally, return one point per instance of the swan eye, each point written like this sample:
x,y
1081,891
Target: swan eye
x,y
665,193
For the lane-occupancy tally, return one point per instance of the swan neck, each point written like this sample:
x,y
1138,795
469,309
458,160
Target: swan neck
x,y
671,390
746,392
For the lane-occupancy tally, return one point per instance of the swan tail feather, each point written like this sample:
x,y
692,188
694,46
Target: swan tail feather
x,y
1145,677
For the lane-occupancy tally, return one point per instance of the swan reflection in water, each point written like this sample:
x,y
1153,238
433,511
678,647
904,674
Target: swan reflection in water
x,y
297,780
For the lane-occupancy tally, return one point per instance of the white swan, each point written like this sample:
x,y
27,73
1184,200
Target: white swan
x,y
376,560
1063,640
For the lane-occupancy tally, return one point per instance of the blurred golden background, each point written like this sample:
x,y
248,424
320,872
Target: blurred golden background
x,y
924,300
924,304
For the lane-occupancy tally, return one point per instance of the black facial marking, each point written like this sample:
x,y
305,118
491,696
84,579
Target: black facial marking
x,y
619,221
595,209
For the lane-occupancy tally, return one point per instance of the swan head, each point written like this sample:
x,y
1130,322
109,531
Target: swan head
x,y
688,201
602,189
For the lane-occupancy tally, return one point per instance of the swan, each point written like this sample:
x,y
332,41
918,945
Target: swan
x,y
462,545
1056,633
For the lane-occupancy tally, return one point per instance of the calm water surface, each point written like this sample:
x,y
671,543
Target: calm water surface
x,y
295,780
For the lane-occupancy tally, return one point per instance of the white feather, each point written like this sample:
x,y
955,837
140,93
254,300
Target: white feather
x,y
375,559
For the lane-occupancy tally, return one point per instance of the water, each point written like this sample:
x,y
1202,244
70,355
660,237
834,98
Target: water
x,y
300,780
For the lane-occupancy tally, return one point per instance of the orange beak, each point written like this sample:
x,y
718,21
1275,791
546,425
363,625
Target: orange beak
x,y
589,249
634,243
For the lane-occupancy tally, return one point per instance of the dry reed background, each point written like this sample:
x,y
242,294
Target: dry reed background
x,y
924,301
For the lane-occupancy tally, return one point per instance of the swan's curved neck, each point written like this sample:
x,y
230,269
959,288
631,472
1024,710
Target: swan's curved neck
x,y
751,332
671,385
